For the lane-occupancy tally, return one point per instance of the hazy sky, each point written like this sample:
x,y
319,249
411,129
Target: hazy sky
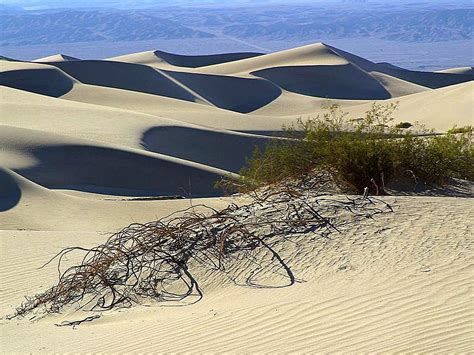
x,y
141,3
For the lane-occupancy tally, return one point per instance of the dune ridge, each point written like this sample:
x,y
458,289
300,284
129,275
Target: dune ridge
x,y
193,105
56,58
169,60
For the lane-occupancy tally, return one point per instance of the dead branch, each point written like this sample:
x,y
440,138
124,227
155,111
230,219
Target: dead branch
x,y
155,261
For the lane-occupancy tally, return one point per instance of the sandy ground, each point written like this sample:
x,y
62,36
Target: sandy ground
x,y
88,147
400,283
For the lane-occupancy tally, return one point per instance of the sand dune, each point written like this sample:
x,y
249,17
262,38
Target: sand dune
x,y
201,145
88,147
433,80
430,80
125,76
314,54
61,162
236,94
395,86
341,82
110,126
439,109
55,210
162,59
231,93
56,58
38,78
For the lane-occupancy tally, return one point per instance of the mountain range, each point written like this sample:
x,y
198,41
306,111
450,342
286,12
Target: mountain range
x,y
303,22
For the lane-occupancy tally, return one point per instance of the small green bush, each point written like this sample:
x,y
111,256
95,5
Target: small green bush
x,y
368,152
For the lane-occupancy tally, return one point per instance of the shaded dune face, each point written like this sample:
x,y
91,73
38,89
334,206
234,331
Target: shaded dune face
x,y
330,81
124,76
113,171
231,93
428,79
196,61
10,192
223,150
49,82
432,80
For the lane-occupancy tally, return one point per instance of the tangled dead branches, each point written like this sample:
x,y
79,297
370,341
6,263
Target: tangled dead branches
x,y
154,261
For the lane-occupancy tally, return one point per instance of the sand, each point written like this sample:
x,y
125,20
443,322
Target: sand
x,y
402,283
88,147
162,59
56,58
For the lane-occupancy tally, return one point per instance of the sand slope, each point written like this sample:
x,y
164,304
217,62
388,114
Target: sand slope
x,y
23,207
38,78
440,109
61,162
401,283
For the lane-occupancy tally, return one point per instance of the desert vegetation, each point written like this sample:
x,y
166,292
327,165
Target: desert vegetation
x,y
369,152
157,261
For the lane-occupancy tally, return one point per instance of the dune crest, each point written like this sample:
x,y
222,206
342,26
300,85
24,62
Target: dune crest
x,y
162,59
56,58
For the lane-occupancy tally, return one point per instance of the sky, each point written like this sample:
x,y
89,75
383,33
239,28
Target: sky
x,y
142,3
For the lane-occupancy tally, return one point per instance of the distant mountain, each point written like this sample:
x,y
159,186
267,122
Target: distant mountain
x,y
415,26
88,26
291,23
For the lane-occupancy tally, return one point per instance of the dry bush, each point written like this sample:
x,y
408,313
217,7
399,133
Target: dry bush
x,y
156,261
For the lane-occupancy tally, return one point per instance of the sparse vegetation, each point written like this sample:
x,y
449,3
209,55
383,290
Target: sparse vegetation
x,y
368,152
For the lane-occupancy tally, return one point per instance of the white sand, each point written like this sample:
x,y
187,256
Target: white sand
x,y
401,283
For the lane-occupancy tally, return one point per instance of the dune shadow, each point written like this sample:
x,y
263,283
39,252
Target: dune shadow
x,y
428,79
10,192
328,81
49,82
223,150
431,80
117,172
126,76
237,94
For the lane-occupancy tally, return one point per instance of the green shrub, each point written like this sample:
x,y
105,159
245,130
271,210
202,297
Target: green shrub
x,y
366,152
